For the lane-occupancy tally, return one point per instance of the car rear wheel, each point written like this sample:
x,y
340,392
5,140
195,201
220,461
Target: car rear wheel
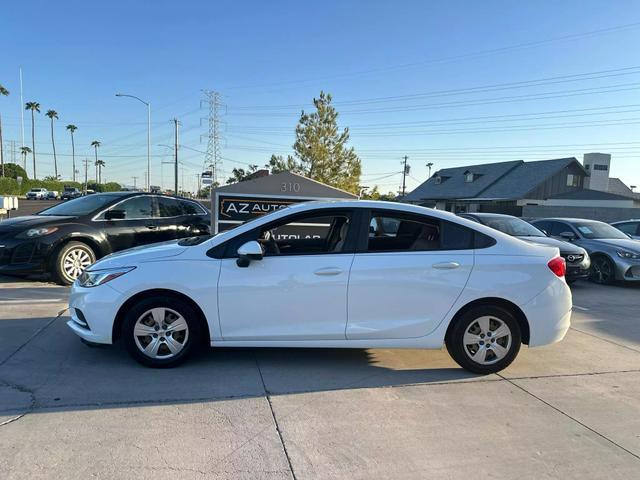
x,y
161,332
484,339
71,260
602,270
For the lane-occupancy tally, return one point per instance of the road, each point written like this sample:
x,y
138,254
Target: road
x,y
570,410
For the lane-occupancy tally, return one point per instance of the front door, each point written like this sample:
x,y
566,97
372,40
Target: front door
x,y
298,290
138,227
407,275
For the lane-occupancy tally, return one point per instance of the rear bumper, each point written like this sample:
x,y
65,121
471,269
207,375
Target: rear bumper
x,y
549,314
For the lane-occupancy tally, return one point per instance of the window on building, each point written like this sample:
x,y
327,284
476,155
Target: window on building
x,y
573,180
604,168
438,179
469,177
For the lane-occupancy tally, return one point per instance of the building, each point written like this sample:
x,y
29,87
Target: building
x,y
562,187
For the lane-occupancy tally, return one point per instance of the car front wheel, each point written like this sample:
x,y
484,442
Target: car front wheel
x,y
161,332
484,339
602,270
70,262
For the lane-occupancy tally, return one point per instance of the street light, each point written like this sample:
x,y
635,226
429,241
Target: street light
x,y
148,179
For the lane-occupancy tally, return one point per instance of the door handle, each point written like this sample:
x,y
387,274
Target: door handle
x,y
152,227
328,271
446,265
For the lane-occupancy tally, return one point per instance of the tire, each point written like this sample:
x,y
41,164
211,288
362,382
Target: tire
x,y
467,339
70,260
142,329
602,270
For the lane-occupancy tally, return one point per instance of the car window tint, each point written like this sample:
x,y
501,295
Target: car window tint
x,y
389,233
306,235
631,228
190,208
456,237
169,207
137,207
556,228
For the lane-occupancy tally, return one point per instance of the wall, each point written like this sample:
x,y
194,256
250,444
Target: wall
x,y
566,202
557,184
593,213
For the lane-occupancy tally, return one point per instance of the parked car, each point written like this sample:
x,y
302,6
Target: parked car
x,y
630,227
577,258
65,239
427,278
69,193
37,194
52,195
614,256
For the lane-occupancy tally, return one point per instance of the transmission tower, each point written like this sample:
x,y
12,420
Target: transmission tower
x,y
213,155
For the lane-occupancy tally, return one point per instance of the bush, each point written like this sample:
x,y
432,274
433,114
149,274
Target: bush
x,y
13,170
9,186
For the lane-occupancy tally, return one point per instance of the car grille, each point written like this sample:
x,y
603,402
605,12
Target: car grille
x,y
573,258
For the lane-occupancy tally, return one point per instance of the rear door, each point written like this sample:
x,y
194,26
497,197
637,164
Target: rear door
x,y
406,275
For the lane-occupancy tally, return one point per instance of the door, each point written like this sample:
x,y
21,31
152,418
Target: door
x,y
138,226
406,275
298,291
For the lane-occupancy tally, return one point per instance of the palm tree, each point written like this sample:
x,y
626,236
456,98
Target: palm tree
x,y
24,151
3,92
95,144
72,128
100,164
52,114
34,107
429,165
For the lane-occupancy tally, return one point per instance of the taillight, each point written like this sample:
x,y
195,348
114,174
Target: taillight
x,y
558,266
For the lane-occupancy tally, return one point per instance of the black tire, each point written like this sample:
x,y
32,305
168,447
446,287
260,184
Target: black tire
x,y
60,274
602,270
461,353
192,340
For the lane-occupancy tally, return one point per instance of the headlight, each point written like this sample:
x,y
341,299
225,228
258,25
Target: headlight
x,y
38,232
98,277
626,254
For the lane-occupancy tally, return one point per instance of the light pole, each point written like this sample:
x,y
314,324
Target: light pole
x,y
148,181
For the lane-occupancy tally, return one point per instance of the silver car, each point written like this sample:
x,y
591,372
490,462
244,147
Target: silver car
x,y
630,227
614,256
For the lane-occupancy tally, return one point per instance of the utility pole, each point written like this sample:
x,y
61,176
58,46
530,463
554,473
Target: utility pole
x,y
405,171
134,182
1,150
86,173
176,124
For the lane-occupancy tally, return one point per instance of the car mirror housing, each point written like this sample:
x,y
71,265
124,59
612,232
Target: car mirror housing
x,y
249,251
568,236
114,214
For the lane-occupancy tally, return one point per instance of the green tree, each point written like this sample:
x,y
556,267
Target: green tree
x,y
34,107
4,93
95,144
13,170
53,115
100,164
24,151
374,194
72,128
240,174
321,151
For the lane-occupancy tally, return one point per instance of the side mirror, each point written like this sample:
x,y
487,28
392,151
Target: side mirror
x,y
247,252
115,215
569,236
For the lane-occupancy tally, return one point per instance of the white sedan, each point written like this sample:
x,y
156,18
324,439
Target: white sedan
x,y
347,274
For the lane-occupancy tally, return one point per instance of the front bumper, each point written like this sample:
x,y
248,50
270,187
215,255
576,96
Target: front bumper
x,y
627,270
93,312
23,256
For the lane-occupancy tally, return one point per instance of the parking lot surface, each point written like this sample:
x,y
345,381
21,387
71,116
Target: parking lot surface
x,y
570,410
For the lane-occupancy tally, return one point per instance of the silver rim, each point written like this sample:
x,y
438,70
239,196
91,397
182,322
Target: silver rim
x,y
487,340
161,333
75,261
602,270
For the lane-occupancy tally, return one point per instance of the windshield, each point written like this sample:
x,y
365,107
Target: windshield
x,y
512,226
599,230
80,206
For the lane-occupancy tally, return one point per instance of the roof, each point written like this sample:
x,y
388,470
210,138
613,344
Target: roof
x,y
503,180
587,194
272,185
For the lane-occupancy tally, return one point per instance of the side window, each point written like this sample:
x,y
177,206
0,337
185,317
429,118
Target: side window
x,y
190,208
306,235
456,237
136,208
546,226
169,207
556,228
629,228
389,232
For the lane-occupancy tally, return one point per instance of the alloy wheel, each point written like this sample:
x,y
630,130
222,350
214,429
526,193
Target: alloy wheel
x,y
487,340
601,270
75,261
161,333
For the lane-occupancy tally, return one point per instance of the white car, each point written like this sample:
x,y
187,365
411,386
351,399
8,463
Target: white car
x,y
346,274
37,194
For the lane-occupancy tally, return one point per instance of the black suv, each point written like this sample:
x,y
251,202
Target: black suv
x,y
69,193
65,239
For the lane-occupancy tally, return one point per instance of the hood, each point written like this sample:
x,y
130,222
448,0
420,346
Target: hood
x,y
141,254
565,247
628,244
29,221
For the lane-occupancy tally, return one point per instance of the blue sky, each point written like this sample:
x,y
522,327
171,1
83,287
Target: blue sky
x,y
450,82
